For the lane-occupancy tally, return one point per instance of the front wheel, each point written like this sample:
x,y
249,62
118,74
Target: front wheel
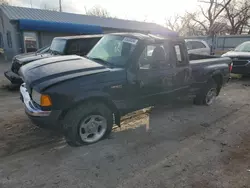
x,y
87,123
207,94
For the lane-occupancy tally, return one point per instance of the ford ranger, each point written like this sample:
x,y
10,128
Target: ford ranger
x,y
124,72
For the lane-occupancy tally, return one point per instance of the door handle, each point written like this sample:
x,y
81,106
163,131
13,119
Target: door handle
x,y
141,84
137,82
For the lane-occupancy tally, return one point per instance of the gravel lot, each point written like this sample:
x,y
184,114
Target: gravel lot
x,y
179,145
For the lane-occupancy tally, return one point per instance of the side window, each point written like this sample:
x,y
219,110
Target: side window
x,y
189,45
9,40
179,54
198,45
153,56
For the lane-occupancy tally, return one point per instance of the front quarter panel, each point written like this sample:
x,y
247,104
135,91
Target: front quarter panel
x,y
66,94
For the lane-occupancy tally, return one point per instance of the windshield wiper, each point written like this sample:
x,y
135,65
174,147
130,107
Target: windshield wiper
x,y
54,52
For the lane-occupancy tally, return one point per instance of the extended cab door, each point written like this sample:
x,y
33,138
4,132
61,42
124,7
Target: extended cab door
x,y
182,78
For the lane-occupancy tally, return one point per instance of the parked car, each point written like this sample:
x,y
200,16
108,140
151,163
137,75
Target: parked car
x,y
196,46
79,45
85,96
241,58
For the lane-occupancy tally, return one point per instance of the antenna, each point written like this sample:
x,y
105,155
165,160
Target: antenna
x,y
60,5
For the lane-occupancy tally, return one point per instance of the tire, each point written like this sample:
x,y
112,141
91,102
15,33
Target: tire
x,y
77,124
202,97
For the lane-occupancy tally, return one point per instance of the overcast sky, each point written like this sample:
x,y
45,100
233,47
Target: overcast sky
x,y
152,11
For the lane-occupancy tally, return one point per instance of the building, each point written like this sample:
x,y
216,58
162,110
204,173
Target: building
x,y
27,28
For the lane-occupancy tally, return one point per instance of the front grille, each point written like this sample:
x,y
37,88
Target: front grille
x,y
15,66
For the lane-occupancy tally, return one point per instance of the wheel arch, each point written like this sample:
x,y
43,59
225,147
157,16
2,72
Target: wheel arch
x,y
98,99
218,78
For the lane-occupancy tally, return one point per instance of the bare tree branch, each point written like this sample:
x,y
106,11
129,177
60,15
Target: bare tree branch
x,y
220,11
203,13
184,25
209,15
238,15
4,2
98,11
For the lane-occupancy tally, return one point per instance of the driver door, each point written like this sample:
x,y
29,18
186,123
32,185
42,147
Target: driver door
x,y
155,75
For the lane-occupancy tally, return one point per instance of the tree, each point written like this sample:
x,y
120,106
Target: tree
x,y
237,14
184,25
46,7
4,2
209,13
98,11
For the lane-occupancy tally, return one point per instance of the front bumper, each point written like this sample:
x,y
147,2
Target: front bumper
x,y
38,116
30,108
13,77
241,66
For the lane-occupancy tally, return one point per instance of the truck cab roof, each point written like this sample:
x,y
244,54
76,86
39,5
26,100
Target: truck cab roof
x,y
79,37
147,37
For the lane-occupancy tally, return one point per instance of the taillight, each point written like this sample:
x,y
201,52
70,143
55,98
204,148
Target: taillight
x,y
230,67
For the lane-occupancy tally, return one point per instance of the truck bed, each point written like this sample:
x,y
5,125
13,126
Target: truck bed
x,y
210,61
201,56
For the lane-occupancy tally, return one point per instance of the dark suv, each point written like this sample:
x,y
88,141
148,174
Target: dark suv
x,y
70,45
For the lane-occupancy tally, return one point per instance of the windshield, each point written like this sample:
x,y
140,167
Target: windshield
x,y
244,47
58,46
114,50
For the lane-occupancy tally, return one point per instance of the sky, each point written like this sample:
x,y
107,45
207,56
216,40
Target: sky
x,y
141,10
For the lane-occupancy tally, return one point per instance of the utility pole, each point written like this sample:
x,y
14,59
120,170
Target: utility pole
x,y
60,5
31,3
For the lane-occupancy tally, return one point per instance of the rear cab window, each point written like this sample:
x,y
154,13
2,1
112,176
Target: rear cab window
x,y
81,46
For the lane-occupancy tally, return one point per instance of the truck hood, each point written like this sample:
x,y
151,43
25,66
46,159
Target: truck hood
x,y
26,58
58,69
236,54
20,56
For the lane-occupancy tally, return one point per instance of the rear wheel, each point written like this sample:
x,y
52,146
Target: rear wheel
x,y
87,124
207,94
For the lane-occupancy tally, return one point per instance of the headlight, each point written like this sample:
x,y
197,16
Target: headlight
x,y
36,97
41,99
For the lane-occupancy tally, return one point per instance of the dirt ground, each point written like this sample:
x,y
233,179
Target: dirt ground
x,y
17,132
179,145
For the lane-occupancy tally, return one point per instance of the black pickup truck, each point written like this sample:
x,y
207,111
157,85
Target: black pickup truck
x,y
78,45
122,73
